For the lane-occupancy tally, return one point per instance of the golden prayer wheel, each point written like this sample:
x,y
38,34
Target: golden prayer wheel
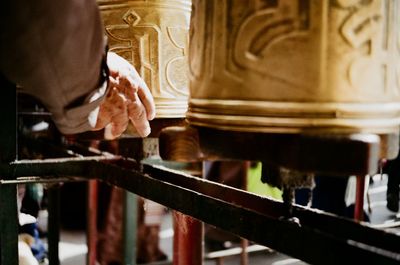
x,y
291,66
153,36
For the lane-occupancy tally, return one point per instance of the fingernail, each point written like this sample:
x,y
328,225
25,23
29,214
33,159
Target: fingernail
x,y
108,135
151,116
146,132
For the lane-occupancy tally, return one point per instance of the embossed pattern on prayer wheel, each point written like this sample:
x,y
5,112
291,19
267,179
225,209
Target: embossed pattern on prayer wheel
x,y
292,66
153,36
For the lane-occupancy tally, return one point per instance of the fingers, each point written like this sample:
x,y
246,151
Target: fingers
x,y
114,64
120,118
103,118
106,110
138,117
117,110
143,92
119,124
118,66
129,99
113,114
147,99
127,86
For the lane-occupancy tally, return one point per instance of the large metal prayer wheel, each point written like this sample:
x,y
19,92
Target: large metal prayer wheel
x,y
293,66
153,36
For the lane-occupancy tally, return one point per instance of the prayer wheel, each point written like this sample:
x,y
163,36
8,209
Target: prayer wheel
x,y
153,36
294,66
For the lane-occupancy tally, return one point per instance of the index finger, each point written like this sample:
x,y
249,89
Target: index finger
x,y
147,100
137,115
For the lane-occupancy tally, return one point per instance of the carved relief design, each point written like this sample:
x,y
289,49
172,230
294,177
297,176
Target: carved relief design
x,y
267,25
197,38
222,44
153,36
141,43
176,68
372,28
290,66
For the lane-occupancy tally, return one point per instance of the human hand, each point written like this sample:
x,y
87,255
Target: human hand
x,y
128,99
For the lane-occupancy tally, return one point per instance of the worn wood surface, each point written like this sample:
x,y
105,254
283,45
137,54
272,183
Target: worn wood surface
x,y
180,143
344,154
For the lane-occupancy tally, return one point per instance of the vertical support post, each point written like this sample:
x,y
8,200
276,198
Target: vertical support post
x,y
244,256
8,193
219,261
130,209
92,222
359,203
54,225
188,240
182,144
130,227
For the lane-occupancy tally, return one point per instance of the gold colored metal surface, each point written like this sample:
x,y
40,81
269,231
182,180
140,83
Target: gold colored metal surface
x,y
295,65
153,36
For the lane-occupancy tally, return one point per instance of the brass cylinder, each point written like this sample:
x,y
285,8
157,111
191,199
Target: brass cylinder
x,y
292,66
153,36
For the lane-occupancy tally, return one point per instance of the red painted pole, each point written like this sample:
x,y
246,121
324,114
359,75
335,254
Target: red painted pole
x,y
92,222
244,257
359,203
188,240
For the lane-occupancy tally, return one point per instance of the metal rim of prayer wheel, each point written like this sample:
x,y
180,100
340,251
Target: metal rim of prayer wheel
x,y
290,66
153,36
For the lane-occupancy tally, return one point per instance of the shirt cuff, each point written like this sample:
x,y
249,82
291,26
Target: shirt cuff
x,y
84,117
92,118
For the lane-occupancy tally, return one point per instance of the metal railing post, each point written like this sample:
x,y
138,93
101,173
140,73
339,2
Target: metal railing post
x,y
8,193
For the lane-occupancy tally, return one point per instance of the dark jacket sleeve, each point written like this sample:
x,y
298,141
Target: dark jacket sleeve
x,y
53,49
